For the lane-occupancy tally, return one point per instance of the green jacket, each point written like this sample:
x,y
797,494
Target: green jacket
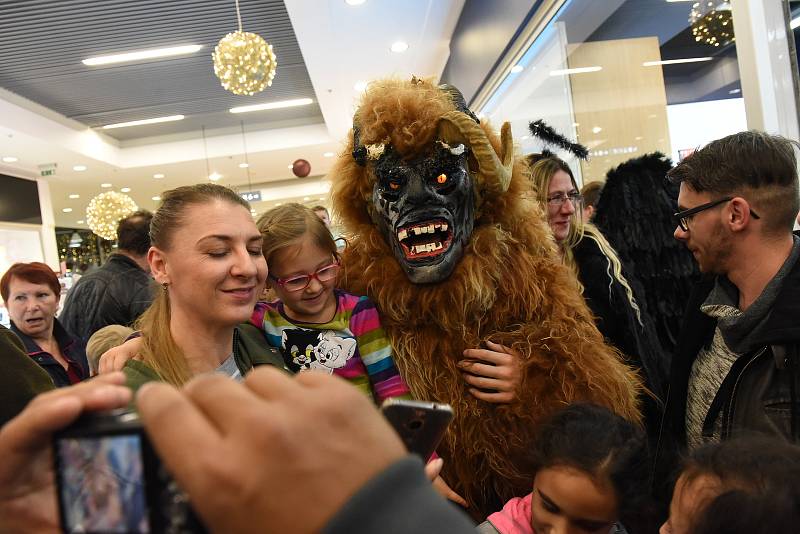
x,y
21,379
250,349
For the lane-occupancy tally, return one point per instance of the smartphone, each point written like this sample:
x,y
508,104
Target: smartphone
x,y
420,425
109,479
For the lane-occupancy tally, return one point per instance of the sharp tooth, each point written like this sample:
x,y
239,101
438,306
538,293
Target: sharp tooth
x,y
444,227
402,234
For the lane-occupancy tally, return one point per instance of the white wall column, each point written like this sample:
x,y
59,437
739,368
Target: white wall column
x,y
764,66
48,230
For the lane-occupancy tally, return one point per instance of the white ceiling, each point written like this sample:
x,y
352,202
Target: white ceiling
x,y
341,45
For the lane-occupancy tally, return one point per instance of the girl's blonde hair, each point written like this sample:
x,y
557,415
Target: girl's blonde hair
x,y
285,225
542,172
159,350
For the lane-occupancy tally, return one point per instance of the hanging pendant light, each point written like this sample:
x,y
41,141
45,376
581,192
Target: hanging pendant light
x,y
712,22
243,61
105,211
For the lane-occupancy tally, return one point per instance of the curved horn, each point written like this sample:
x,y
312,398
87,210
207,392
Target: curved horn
x,y
496,170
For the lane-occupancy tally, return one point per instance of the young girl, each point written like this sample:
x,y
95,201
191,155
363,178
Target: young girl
x,y
314,324
590,475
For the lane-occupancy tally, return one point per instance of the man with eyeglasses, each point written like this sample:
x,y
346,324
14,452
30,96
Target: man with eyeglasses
x,y
736,369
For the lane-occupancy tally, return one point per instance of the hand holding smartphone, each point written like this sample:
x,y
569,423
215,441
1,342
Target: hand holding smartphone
x,y
420,425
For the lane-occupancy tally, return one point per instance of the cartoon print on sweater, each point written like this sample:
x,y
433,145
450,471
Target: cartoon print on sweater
x,y
312,349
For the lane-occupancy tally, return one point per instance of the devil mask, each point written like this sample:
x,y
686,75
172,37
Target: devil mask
x,y
424,196
424,209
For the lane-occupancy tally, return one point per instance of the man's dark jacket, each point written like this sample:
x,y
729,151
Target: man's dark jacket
x,y
760,394
116,293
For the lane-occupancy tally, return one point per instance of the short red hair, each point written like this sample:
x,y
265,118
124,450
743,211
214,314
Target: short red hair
x,y
34,272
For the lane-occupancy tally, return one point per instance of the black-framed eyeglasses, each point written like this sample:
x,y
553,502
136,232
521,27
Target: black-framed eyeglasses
x,y
682,217
300,282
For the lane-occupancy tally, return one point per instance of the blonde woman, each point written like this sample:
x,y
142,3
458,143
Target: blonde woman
x,y
598,269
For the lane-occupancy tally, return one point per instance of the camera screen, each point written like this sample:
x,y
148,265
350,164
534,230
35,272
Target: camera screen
x,y
102,484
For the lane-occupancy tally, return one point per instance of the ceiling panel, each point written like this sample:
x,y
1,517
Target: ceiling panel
x,y
43,43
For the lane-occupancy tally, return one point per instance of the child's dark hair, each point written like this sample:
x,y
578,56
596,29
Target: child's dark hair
x,y
756,486
594,440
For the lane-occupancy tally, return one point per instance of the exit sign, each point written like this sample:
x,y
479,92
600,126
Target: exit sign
x,y
48,169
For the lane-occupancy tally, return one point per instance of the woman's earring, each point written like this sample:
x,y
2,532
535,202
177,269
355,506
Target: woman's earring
x,y
164,286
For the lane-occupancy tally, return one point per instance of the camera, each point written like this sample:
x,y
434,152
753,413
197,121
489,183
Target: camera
x,y
109,479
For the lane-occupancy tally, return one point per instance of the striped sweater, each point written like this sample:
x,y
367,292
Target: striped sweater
x,y
353,345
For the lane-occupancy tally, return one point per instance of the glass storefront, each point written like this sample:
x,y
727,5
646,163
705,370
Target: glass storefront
x,y
626,78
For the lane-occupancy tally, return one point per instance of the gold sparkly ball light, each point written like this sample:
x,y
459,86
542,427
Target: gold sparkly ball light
x,y
105,211
712,23
244,63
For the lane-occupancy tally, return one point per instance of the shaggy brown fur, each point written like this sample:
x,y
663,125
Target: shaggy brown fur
x,y
509,287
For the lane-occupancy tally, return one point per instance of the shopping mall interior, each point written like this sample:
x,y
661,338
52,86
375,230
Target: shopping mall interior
x,y
125,96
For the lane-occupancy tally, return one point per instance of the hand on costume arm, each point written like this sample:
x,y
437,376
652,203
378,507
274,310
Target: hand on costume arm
x,y
27,487
496,369
432,470
256,451
114,359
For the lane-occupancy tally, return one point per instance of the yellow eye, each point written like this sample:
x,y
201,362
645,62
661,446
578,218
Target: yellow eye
x,y
442,178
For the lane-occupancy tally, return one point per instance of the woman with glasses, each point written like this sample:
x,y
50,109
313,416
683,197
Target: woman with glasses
x,y
599,272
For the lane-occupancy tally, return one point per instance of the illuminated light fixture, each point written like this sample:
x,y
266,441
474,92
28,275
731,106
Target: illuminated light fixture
x,y
75,240
399,47
9,159
360,86
79,168
214,176
158,176
290,166
278,203
734,91
74,196
795,23
126,189
244,62
80,222
597,130
306,199
144,121
156,198
579,70
676,61
106,185
712,23
142,55
272,105
67,210
244,165
354,2
105,211
328,154
524,137
516,69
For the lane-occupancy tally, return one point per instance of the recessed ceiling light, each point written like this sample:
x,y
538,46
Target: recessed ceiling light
x,y
524,137
354,2
9,159
734,91
676,61
273,105
322,198
126,189
67,210
144,121
516,69
360,86
79,168
306,199
214,176
579,70
243,165
290,166
158,176
278,203
74,196
597,130
105,185
139,55
328,154
156,198
399,47
80,222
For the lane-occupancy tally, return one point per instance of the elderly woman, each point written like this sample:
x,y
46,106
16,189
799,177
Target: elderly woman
x,y
206,256
31,292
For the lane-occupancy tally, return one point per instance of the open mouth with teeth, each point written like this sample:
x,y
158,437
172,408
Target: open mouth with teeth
x,y
425,239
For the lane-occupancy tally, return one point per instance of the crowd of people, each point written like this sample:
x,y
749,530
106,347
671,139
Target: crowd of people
x,y
265,410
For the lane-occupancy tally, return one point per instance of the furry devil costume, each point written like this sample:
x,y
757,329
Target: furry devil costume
x,y
449,246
